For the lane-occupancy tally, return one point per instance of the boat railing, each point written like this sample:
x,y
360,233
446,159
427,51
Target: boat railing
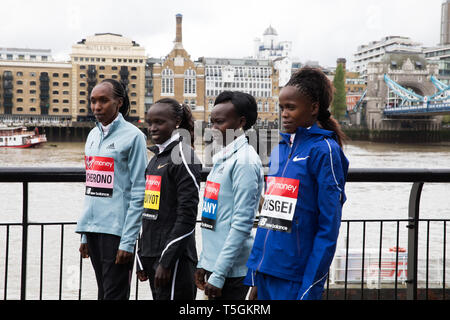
x,y
360,274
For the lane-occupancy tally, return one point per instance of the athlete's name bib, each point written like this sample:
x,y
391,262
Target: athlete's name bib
x,y
280,200
99,176
152,197
210,202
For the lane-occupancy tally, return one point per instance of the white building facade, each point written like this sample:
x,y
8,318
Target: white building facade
x,y
376,50
277,51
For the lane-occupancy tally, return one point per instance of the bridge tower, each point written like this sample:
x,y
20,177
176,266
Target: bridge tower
x,y
412,72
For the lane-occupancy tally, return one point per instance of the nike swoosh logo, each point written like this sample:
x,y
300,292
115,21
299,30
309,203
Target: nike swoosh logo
x,y
299,159
162,165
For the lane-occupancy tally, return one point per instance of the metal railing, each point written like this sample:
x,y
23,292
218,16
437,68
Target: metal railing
x,y
418,177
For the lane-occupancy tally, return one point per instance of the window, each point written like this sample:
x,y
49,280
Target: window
x,y
55,110
19,73
32,109
65,110
19,82
65,75
167,81
189,82
55,92
55,84
32,83
55,75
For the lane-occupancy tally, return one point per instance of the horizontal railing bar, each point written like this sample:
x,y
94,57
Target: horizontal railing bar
x,y
77,174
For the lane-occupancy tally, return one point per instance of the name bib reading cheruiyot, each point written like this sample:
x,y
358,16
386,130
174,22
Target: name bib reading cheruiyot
x,y
99,176
279,204
210,201
152,197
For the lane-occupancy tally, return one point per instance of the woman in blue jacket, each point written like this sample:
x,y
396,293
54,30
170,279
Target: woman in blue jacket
x,y
299,221
115,159
232,192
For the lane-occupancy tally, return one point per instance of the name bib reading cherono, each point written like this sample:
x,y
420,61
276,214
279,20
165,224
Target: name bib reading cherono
x,y
99,176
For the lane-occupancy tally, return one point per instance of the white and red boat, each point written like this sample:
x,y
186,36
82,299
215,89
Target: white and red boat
x,y
20,137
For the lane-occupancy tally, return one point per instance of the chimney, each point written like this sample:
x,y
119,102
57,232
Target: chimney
x,y
179,34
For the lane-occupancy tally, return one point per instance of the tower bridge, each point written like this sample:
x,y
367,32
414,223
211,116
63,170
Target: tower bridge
x,y
403,93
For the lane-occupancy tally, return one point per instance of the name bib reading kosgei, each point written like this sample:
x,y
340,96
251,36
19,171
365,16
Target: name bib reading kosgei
x,y
99,176
210,201
279,204
152,197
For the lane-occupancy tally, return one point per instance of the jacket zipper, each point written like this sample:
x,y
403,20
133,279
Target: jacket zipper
x,y
268,231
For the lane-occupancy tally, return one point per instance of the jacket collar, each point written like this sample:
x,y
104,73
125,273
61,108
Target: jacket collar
x,y
116,122
167,145
304,132
230,149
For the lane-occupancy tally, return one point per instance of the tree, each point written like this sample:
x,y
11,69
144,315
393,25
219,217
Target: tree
x,y
339,105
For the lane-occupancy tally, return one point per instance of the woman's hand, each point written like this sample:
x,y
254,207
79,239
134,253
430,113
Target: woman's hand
x,y
84,250
212,291
162,276
199,277
123,257
141,275
253,294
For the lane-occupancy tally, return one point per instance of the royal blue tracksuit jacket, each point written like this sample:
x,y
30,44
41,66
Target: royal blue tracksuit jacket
x,y
300,246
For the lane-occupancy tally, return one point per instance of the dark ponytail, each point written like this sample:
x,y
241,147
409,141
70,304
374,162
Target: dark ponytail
x,y
314,84
182,112
120,91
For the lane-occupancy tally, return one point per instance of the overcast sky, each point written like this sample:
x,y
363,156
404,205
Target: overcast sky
x,y
320,30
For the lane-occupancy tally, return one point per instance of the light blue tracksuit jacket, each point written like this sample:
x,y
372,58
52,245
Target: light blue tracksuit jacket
x,y
238,171
121,214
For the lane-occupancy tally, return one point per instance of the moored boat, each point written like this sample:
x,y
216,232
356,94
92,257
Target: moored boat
x,y
20,137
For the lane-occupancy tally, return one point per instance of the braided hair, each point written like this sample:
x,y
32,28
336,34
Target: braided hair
x,y
314,84
120,91
182,112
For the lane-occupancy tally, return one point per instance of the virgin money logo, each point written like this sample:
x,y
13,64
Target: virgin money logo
x,y
89,162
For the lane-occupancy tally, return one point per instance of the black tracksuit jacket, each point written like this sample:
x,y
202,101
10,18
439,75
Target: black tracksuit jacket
x,y
169,233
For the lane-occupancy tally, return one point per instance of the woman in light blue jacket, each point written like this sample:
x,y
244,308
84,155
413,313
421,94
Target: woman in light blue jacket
x,y
232,193
115,159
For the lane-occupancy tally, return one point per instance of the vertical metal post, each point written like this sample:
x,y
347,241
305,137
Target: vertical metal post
x,y
413,241
23,285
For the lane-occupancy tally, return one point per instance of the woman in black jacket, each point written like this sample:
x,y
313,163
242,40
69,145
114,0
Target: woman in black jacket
x,y
167,255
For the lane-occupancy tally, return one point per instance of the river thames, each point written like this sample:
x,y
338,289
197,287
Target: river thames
x,y
63,202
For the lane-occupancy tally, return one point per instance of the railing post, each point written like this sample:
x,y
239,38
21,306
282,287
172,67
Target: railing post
x,y
413,241
23,285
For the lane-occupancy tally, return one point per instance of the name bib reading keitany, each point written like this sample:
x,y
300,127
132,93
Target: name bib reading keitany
x,y
99,176
279,204
210,201
152,197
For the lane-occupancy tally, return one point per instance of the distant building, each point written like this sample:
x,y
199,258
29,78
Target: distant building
x,y
376,50
102,56
33,85
180,78
279,52
25,54
441,54
253,76
445,23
